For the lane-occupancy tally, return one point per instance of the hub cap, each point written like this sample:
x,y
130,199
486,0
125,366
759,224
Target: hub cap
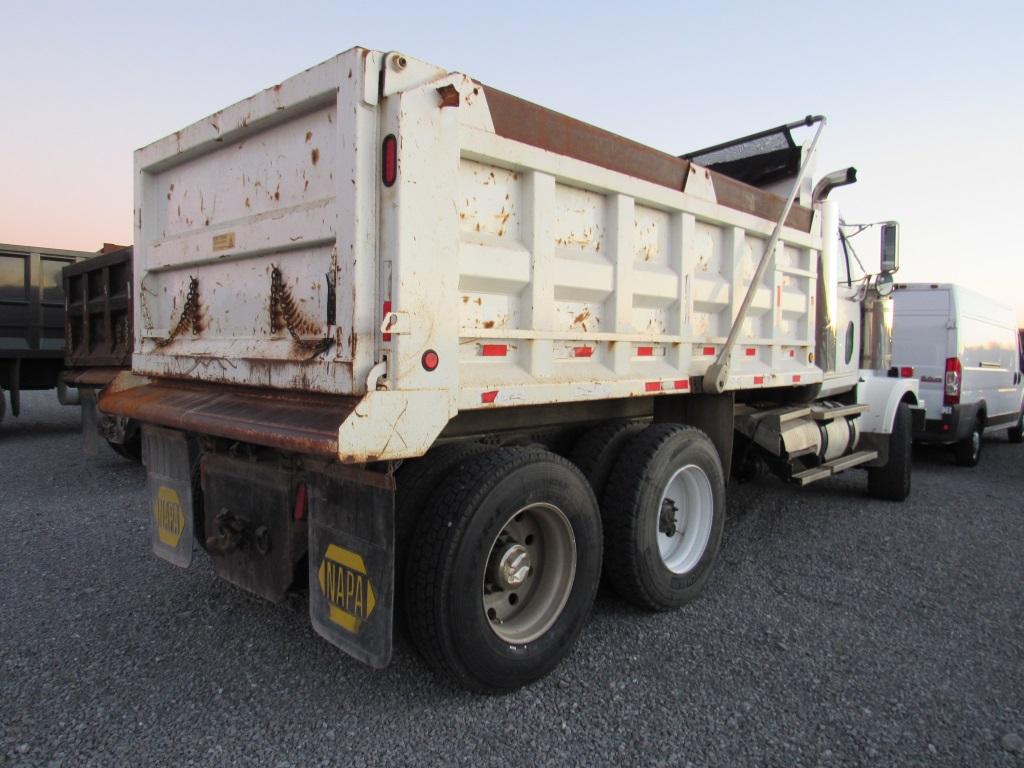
x,y
684,519
529,573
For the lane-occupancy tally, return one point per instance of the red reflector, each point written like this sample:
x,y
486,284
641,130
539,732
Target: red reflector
x,y
582,351
682,384
759,379
653,386
494,350
489,397
796,379
792,353
644,351
906,372
751,352
389,164
430,360
945,427
300,502
708,351
384,314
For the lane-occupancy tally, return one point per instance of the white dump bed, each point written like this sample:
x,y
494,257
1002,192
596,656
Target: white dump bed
x,y
534,258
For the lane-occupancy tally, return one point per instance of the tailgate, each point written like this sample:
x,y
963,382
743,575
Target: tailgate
x,y
249,225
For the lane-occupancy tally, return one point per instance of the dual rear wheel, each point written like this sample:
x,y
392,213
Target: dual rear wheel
x,y
505,559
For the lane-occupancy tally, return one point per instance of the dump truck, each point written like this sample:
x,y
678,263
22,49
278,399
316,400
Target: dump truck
x,y
32,322
429,347
98,342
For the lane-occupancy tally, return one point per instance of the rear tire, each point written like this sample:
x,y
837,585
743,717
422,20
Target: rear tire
x,y
968,451
458,551
892,482
1016,434
130,449
417,482
664,512
597,451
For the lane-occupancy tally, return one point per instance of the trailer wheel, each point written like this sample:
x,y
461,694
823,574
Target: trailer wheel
x,y
664,512
597,451
1016,434
503,568
892,482
967,452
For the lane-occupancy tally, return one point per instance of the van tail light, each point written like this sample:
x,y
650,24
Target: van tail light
x,y
954,375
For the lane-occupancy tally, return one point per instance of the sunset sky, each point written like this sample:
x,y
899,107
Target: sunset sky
x,y
924,98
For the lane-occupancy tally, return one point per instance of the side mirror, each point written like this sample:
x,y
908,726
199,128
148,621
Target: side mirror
x,y
890,247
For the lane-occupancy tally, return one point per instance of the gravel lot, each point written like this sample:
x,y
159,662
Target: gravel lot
x,y
837,630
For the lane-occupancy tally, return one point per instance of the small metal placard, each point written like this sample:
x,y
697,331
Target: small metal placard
x,y
351,562
169,467
224,241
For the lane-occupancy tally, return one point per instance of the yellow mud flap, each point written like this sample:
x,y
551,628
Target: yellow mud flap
x,y
169,467
352,561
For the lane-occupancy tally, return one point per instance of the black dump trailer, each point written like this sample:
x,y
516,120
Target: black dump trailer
x,y
32,321
99,341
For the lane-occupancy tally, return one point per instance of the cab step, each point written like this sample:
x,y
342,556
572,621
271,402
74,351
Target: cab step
x,y
834,467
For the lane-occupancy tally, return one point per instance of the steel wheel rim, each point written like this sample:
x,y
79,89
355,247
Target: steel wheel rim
x,y
975,443
684,520
520,613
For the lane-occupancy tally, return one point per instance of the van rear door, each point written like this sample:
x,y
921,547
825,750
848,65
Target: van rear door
x,y
921,339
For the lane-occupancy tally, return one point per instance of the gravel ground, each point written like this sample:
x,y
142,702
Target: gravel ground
x,y
837,630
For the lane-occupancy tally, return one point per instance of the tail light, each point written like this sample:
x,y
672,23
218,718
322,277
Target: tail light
x,y
389,166
954,375
300,503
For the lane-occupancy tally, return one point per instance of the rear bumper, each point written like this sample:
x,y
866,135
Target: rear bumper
x,y
294,422
951,427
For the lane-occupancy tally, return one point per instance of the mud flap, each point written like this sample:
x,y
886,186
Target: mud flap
x,y
352,561
170,493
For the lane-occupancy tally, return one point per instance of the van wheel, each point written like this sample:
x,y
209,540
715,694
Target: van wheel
x,y
503,568
892,482
968,450
664,512
597,451
1016,434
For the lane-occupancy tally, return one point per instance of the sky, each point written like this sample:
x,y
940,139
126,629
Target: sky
x,y
924,98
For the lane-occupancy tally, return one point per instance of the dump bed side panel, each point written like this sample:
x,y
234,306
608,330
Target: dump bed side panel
x,y
32,300
249,229
575,281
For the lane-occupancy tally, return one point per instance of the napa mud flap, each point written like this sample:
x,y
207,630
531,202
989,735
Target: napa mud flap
x,y
170,463
352,561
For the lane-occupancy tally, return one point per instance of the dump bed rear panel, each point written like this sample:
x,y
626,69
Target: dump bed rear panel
x,y
248,235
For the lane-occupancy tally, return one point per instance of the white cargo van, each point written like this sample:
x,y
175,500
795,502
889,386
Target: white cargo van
x,y
966,352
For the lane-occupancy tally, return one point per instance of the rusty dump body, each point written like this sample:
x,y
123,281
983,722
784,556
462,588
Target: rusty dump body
x,y
98,321
534,259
